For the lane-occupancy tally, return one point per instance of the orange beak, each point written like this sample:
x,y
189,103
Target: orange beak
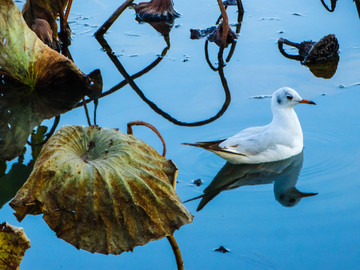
x,y
306,101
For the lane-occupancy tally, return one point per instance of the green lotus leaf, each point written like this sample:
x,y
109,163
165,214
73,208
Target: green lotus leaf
x,y
13,244
102,190
25,58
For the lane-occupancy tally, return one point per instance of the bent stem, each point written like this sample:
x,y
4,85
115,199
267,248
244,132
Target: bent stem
x,y
102,30
142,123
177,253
282,41
333,5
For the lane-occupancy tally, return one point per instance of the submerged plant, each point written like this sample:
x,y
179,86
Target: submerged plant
x,y
102,190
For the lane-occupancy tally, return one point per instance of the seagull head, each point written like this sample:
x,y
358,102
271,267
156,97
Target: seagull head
x,y
287,97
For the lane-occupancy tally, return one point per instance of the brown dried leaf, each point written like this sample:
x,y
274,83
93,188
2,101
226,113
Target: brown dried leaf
x,y
13,244
25,58
102,190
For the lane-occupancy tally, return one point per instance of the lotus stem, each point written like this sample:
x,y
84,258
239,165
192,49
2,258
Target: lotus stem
x,y
225,22
96,103
151,104
177,253
87,113
142,123
102,30
68,10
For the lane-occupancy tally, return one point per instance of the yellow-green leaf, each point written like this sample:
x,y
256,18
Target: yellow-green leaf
x,y
102,190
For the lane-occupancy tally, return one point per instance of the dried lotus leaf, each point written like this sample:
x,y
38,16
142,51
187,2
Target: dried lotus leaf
x,y
13,244
25,58
102,190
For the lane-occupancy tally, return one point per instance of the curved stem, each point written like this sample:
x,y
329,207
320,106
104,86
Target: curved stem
x,y
207,56
333,5
177,253
152,105
282,41
238,28
51,132
142,123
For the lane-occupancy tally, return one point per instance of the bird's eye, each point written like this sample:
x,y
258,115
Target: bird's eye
x,y
289,97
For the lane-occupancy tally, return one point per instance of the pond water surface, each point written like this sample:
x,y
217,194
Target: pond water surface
x,y
319,231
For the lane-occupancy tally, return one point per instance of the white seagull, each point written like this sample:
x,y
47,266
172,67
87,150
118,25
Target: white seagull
x,y
281,139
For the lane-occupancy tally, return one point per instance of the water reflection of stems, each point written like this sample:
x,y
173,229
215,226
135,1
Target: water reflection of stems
x,y
130,81
357,3
238,28
333,5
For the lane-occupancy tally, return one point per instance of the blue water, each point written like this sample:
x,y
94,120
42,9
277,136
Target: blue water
x,y
321,231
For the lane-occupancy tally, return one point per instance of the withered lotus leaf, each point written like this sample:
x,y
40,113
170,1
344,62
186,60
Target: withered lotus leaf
x,y
25,58
13,244
102,190
41,16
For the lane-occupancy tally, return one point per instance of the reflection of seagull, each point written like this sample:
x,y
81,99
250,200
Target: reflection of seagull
x,y
280,139
283,173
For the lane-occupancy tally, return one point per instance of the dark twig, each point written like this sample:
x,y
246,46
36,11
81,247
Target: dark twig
x,y
142,123
102,30
96,103
177,253
86,112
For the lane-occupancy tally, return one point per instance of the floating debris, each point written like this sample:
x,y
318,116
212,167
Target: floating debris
x,y
269,19
131,34
350,85
198,182
201,33
260,97
222,249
